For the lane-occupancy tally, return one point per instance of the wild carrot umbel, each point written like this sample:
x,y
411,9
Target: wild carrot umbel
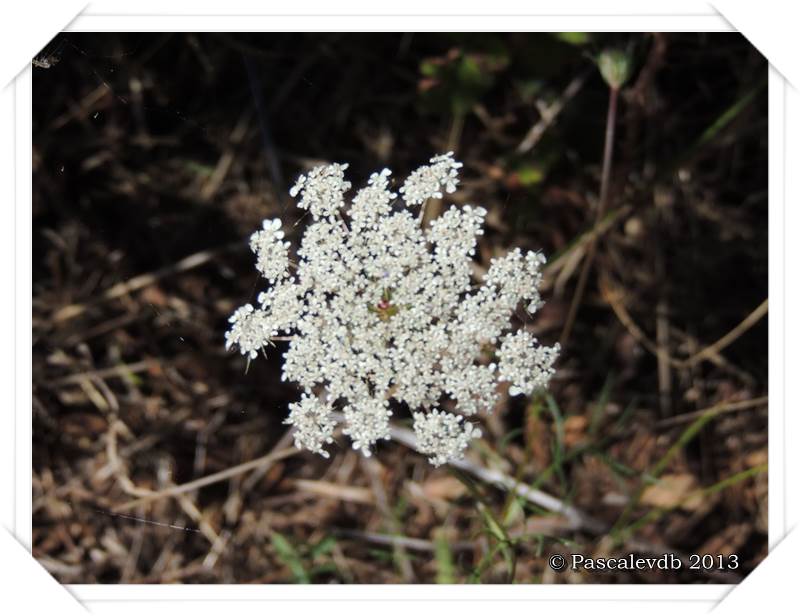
x,y
378,309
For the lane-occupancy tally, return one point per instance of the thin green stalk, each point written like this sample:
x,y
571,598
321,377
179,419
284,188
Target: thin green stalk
x,y
649,476
654,514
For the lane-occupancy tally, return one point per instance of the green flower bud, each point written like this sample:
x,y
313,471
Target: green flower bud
x,y
615,67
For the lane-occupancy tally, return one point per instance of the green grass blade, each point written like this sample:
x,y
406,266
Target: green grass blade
x,y
288,556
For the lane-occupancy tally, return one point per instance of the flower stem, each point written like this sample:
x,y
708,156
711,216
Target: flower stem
x,y
605,182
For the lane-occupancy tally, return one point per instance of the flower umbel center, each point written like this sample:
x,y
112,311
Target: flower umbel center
x,y
385,309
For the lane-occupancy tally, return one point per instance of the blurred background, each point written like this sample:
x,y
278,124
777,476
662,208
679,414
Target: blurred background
x,y
159,458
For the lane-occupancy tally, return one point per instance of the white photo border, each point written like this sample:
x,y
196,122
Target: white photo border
x,y
89,21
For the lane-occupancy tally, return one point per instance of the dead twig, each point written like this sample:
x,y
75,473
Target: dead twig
x,y
613,296
121,371
549,113
226,161
410,543
267,460
576,518
328,489
722,407
748,322
137,283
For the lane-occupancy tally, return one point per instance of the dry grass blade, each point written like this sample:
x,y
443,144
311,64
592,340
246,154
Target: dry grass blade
x,y
612,294
748,322
723,407
550,113
579,246
144,280
264,461
122,371
327,489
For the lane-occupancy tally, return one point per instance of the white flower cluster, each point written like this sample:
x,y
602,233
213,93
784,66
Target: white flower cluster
x,y
380,309
272,254
525,363
427,181
443,436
